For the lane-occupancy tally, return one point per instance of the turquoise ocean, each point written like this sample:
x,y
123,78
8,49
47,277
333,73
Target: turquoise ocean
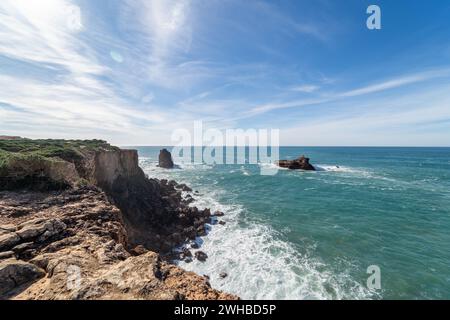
x,y
312,235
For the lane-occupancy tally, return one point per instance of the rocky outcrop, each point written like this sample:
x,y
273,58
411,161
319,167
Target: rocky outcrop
x,y
15,273
301,163
165,159
73,244
90,225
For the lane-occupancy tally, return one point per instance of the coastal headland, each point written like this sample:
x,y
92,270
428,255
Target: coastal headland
x,y
81,220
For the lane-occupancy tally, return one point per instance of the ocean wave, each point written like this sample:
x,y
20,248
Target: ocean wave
x,y
262,266
259,263
337,168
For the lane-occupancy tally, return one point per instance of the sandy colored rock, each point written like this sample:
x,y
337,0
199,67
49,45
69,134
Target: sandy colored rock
x,y
77,248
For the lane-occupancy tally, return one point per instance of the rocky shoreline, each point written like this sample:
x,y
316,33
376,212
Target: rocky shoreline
x,y
101,230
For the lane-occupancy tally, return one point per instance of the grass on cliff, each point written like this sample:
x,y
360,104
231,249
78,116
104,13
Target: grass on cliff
x,y
27,149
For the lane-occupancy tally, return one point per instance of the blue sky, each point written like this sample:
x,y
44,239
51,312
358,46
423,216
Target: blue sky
x,y
132,71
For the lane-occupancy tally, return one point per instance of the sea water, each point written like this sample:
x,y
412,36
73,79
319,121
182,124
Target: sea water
x,y
313,235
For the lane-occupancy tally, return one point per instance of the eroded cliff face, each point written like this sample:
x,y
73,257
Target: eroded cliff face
x,y
73,245
112,165
102,231
154,212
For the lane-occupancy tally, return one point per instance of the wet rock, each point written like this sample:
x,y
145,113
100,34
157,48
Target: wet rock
x,y
201,256
218,214
165,159
195,245
221,222
184,187
201,231
187,252
223,275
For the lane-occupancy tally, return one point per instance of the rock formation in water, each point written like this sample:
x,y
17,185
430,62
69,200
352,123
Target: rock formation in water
x,y
92,226
165,159
301,163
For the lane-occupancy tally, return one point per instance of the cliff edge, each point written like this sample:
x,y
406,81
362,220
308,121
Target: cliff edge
x,y
80,220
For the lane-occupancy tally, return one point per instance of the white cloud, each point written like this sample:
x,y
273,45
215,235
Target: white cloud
x,y
40,32
70,98
334,97
397,82
405,120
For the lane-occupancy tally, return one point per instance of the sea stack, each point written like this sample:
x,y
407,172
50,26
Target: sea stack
x,y
165,159
301,163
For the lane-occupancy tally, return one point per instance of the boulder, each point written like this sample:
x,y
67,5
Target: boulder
x,y
301,163
41,228
201,256
14,273
8,240
165,159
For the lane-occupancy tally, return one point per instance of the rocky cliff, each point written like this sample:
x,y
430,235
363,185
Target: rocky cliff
x,y
93,226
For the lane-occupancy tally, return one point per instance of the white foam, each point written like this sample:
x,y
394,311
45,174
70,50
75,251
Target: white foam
x,y
336,168
259,264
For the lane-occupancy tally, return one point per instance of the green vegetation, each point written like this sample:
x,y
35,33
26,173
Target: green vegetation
x,y
12,151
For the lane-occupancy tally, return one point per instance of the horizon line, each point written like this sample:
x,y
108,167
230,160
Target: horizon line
x,y
286,146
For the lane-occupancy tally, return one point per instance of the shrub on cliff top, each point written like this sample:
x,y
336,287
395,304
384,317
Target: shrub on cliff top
x,y
12,151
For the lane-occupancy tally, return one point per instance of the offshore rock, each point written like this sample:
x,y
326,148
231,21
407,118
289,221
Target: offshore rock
x,y
165,159
301,163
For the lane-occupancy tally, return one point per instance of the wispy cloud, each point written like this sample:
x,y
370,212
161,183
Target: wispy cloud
x,y
334,97
136,71
397,82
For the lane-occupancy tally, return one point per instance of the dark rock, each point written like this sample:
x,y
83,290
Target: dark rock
x,y
218,214
187,252
201,256
223,275
165,159
201,231
222,222
22,247
6,255
14,273
301,163
138,250
19,212
8,240
195,245
184,187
